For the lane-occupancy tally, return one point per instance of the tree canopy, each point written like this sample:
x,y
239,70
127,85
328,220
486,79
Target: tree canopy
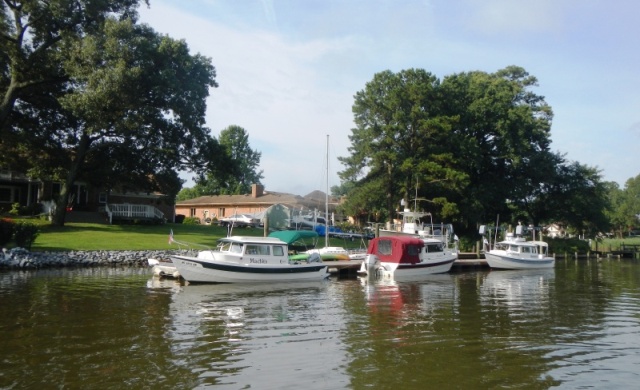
x,y
241,171
468,147
91,95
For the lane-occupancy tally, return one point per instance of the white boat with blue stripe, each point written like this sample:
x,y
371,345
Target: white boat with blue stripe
x,y
515,252
244,259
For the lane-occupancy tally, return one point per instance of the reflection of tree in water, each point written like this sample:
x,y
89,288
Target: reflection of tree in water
x,y
278,217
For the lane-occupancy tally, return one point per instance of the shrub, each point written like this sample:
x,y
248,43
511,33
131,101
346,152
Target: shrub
x,y
191,221
6,230
25,234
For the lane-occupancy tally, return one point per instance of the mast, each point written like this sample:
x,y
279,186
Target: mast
x,y
326,202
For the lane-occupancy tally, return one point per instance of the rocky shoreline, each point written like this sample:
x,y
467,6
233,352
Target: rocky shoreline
x,y
20,258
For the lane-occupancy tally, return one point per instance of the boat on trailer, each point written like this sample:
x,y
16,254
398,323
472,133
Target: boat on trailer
x,y
244,259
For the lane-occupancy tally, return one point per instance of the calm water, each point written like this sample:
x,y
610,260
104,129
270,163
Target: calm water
x,y
575,327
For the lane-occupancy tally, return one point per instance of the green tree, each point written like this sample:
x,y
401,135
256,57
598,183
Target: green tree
x,y
32,36
131,110
242,169
400,141
625,205
502,138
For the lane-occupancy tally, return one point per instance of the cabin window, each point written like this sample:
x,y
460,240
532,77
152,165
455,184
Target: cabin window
x,y
236,248
278,251
384,247
434,248
257,250
413,250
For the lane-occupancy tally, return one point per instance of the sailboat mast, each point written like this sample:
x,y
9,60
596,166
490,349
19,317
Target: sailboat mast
x,y
326,202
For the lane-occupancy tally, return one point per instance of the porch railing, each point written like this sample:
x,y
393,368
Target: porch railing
x,y
132,211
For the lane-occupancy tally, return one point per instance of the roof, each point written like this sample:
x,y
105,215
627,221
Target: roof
x,y
252,240
291,236
267,199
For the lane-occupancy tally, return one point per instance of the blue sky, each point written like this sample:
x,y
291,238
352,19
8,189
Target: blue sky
x,y
288,70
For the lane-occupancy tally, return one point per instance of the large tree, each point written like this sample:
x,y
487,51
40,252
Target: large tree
x,y
400,143
130,110
242,167
32,34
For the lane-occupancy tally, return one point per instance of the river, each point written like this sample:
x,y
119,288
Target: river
x,y
572,327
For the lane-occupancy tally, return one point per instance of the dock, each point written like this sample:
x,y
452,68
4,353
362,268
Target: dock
x,y
465,261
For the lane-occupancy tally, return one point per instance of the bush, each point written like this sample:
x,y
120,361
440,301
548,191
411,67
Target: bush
x,y
25,234
560,246
6,231
191,221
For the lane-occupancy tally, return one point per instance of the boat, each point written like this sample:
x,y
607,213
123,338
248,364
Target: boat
x,y
244,259
405,257
515,252
163,268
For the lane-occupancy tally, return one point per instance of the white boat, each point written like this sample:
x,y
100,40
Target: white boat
x,y
243,259
404,257
515,252
163,268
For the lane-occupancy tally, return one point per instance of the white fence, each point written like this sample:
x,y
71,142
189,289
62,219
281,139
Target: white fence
x,y
132,211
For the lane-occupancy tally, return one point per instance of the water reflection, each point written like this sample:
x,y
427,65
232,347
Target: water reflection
x,y
573,327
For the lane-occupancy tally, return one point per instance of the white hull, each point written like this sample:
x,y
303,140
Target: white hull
x,y
210,271
374,267
501,260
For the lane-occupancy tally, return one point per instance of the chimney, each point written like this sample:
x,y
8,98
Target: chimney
x,y
257,190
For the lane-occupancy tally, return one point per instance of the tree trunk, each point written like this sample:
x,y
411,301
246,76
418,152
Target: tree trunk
x,y
76,164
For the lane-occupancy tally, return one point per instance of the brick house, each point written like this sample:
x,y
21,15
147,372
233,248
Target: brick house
x,y
219,206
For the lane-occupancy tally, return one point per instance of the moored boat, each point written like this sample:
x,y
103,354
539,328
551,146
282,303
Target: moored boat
x,y
243,259
163,268
515,252
404,257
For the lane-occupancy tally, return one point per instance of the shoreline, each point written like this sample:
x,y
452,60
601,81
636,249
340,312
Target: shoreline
x,y
20,258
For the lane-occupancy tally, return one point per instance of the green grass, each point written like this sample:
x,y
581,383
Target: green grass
x,y
88,236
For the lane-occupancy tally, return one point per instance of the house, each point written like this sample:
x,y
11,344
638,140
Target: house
x,y
208,208
555,230
16,187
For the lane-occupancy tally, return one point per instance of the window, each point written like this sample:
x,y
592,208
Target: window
x,y
384,247
192,212
6,195
278,251
262,250
102,197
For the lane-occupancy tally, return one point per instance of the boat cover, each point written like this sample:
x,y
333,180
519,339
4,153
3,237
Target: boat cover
x,y
396,249
291,236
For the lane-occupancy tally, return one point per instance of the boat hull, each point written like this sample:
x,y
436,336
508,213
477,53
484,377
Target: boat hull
x,y
197,270
399,272
501,261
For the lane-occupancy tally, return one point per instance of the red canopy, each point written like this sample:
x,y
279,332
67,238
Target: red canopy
x,y
396,249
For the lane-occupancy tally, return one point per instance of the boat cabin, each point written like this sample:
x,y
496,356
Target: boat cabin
x,y
396,249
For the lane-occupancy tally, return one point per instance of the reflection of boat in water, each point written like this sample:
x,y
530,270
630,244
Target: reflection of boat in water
x,y
244,259
405,257
518,287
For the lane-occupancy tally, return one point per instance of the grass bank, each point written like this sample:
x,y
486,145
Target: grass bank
x,y
88,236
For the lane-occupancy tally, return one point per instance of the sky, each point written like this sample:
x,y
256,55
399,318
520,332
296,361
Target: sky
x,y
288,70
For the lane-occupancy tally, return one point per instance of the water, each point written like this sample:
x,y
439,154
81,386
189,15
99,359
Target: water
x,y
575,327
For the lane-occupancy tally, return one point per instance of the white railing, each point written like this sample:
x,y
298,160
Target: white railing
x,y
127,210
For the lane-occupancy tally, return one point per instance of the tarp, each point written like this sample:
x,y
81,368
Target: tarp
x,y
291,236
396,249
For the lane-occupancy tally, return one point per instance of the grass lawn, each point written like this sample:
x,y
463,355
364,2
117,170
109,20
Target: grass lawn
x,y
88,236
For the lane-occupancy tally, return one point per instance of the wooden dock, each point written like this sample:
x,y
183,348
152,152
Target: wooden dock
x,y
466,261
